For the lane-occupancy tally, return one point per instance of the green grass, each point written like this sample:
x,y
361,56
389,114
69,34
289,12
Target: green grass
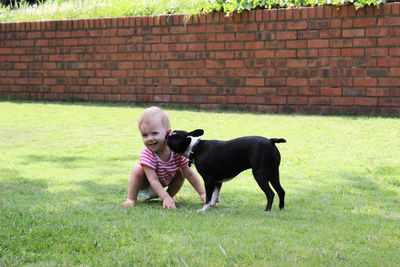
x,y
64,173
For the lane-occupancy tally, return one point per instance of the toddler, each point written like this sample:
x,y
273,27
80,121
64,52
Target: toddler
x,y
159,166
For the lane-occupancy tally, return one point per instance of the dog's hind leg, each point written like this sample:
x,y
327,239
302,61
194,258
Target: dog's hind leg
x,y
274,180
263,183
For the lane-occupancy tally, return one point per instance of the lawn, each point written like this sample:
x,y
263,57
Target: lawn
x,y
64,173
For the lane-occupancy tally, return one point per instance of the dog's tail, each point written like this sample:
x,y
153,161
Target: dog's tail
x,y
278,140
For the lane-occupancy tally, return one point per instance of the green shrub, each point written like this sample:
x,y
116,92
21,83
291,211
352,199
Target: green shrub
x,y
22,10
230,6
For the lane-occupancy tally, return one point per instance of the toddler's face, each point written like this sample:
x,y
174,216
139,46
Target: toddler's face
x,y
153,135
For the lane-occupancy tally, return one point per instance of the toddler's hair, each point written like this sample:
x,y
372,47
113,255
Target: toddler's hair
x,y
153,113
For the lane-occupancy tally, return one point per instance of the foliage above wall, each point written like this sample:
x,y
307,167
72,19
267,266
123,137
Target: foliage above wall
x,y
82,9
230,6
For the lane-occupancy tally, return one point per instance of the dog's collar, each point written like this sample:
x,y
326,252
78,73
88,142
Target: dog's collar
x,y
189,153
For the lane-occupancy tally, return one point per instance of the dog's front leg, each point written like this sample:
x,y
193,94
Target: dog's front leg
x,y
210,194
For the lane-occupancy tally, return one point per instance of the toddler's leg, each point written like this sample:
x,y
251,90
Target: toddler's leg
x,y
137,181
176,183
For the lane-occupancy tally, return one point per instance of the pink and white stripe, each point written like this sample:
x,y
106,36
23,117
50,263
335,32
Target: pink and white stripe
x,y
165,169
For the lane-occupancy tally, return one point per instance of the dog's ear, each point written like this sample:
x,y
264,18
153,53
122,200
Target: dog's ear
x,y
196,133
166,136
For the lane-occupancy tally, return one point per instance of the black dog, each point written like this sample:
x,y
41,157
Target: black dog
x,y
220,161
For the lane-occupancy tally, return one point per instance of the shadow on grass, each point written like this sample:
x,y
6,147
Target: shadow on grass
x,y
346,194
11,180
67,162
107,165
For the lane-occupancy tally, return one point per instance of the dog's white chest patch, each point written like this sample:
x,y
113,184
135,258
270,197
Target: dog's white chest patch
x,y
193,141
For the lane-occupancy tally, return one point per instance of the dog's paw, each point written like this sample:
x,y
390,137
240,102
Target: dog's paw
x,y
205,207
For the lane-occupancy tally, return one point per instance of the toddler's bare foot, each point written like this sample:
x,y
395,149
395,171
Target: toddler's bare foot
x,y
129,203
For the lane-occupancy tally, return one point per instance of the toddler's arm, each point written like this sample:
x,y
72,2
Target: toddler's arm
x,y
168,201
195,182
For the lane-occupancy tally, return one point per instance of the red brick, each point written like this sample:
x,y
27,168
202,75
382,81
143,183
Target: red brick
x,y
317,43
224,55
234,64
395,82
389,21
320,101
394,51
215,46
307,34
266,100
353,33
289,35
246,90
296,44
331,91
389,101
285,53
389,41
340,43
6,51
342,101
297,82
364,22
180,98
364,42
245,36
217,99
376,52
330,33
377,31
255,82
197,81
366,101
378,91
395,72
95,81
214,64
234,46
266,91
287,91
395,91
298,100
365,82
296,25
265,54
307,53
254,45
236,99
307,91
225,37
352,52
296,63
389,62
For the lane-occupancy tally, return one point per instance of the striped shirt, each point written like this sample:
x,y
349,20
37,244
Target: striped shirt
x,y
165,170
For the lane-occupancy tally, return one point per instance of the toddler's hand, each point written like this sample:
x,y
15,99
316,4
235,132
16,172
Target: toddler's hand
x,y
129,203
169,203
203,197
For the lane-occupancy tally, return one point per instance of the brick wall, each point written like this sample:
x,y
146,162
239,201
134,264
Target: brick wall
x,y
319,59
